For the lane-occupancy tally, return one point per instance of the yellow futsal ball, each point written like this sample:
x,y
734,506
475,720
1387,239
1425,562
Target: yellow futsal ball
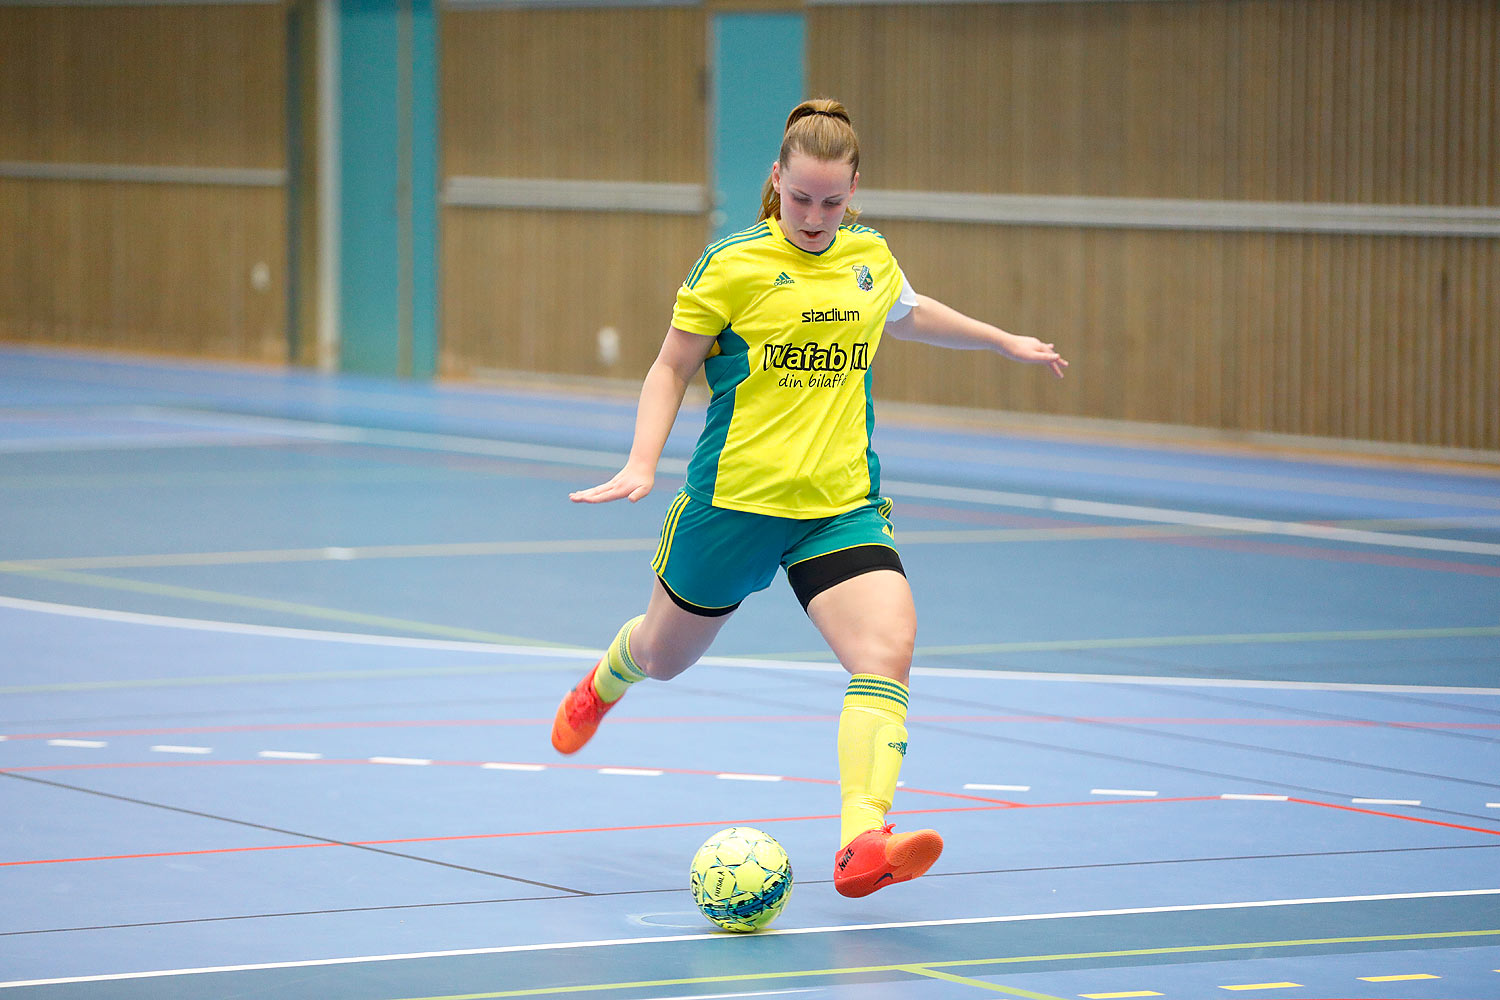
x,y
741,878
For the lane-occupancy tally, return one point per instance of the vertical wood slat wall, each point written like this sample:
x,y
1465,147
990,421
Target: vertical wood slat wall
x,y
1389,338
587,94
136,265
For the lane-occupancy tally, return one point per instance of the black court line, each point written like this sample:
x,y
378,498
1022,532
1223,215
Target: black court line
x,y
1211,741
1227,858
802,882
971,705
1404,727
1415,700
293,833
1179,768
330,911
1172,669
234,713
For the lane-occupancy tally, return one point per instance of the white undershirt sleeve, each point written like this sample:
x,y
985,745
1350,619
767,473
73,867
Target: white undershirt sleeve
x,y
904,303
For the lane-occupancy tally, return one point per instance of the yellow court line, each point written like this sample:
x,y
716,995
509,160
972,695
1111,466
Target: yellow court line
x,y
331,553
927,968
1264,986
1396,979
268,604
965,536
965,981
315,676
1170,641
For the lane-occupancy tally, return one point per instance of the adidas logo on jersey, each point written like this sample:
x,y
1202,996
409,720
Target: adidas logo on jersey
x,y
784,279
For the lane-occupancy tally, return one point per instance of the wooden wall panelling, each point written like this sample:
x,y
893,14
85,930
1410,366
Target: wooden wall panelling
x,y
599,93
163,268
590,94
145,266
530,290
170,85
1370,337
1296,100
1272,100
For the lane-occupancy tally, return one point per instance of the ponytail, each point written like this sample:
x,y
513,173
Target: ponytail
x,y
819,128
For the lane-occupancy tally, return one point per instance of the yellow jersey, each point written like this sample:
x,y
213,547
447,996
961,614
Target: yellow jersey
x,y
789,422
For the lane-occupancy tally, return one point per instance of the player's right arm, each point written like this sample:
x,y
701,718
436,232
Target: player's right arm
x,y
681,355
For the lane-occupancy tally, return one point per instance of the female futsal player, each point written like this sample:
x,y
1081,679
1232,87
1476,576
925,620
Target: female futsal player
x,y
785,319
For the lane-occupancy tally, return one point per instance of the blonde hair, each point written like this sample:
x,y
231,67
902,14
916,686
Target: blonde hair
x,y
819,128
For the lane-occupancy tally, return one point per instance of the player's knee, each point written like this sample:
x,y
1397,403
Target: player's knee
x,y
887,652
664,668
660,658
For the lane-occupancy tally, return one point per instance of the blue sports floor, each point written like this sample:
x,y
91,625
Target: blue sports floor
x,y
279,654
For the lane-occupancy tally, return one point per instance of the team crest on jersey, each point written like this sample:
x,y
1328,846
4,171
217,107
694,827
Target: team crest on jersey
x,y
862,277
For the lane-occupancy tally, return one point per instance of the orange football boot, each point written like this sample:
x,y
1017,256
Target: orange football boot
x,y
579,715
878,858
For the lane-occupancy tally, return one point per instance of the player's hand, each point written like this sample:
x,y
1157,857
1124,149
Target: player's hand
x,y
1031,351
627,484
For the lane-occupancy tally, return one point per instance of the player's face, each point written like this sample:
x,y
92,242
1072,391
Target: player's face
x,y
814,194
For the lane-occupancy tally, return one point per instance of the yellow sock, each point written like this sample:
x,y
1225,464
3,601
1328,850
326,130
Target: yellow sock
x,y
872,745
617,671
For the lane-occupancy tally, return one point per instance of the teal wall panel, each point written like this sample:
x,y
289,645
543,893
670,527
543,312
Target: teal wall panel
x,y
758,71
388,189
424,190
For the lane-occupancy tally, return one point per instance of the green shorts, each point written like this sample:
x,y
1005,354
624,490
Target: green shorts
x,y
710,558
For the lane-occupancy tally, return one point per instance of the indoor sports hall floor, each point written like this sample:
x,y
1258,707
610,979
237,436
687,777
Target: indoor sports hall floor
x,y
279,654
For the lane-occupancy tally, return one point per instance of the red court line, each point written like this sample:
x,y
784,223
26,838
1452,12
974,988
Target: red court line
x,y
1409,819
1333,555
386,724
994,805
720,719
595,829
560,766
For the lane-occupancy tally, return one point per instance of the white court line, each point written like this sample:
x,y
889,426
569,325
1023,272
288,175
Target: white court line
x,y
1234,797
728,996
1132,792
499,766
290,755
130,442
304,634
787,932
1386,802
408,761
749,777
169,748
631,772
423,440
592,458
997,788
1198,519
580,652
86,744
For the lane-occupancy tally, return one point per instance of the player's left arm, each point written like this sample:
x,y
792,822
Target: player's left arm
x,y
932,322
